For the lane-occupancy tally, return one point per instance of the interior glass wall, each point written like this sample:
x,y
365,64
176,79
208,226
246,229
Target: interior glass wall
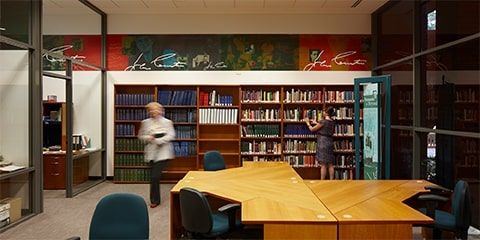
x,y
443,78
16,168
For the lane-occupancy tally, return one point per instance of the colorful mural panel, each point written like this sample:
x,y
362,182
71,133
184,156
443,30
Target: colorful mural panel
x,y
218,52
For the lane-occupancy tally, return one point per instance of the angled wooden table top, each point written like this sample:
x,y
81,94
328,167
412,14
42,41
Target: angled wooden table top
x,y
269,192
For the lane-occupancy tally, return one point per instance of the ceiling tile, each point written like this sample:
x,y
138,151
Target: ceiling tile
x,y
105,5
159,4
199,4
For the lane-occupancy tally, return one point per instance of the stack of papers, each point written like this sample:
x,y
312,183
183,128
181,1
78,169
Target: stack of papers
x,y
11,168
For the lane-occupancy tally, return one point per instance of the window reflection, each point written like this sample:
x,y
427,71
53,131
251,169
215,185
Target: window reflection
x,y
452,88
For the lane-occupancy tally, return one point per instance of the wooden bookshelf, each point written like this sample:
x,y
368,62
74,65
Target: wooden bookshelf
x,y
219,118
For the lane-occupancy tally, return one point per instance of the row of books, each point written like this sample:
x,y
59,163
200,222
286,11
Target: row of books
x,y
184,149
218,116
405,114
128,144
346,113
344,129
344,161
297,95
133,98
405,97
129,160
257,96
340,96
125,130
467,95
260,147
260,130
182,132
130,114
343,174
131,175
178,97
214,98
301,160
181,115
299,146
343,145
467,114
256,158
432,113
469,161
260,115
298,130
299,114
470,146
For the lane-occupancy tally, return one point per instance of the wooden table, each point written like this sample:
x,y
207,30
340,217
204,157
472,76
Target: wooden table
x,y
274,195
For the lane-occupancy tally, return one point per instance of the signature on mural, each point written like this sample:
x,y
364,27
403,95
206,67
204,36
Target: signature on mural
x,y
170,60
60,50
339,59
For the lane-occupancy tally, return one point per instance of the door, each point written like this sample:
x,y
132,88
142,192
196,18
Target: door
x,y
372,119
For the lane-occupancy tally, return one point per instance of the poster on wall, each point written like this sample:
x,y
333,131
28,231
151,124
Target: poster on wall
x,y
371,130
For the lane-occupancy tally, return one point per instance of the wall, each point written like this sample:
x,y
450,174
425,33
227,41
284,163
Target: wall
x,y
218,24
14,106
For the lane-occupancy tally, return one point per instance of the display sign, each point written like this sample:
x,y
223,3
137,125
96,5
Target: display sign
x,y
371,128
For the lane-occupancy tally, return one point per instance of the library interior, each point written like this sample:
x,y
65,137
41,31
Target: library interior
x,y
239,119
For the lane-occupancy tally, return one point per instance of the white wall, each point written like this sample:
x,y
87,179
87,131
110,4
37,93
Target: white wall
x,y
14,116
239,23
71,25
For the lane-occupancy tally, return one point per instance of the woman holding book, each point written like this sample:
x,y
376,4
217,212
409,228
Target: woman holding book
x,y
157,132
324,130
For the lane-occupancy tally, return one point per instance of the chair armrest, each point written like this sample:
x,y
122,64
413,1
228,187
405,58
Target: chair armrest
x,y
435,189
230,210
432,197
74,238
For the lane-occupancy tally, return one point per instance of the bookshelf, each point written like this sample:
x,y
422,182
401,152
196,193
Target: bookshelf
x,y
244,123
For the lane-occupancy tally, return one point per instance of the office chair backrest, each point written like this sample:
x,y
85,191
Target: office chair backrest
x,y
195,211
120,216
213,161
461,205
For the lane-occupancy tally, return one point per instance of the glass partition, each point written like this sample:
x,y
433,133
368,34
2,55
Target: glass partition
x,y
16,168
15,19
87,125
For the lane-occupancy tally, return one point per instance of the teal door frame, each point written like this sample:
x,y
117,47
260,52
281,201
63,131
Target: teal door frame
x,y
385,81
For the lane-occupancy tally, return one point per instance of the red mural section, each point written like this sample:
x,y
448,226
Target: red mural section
x,y
117,59
85,48
334,53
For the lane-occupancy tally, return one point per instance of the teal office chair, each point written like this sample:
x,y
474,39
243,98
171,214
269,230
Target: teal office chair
x,y
120,216
200,222
458,221
213,161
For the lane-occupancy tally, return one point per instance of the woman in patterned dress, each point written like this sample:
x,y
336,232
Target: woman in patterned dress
x,y
324,130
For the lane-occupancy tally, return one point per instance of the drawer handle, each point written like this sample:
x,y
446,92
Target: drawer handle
x,y
54,163
55,174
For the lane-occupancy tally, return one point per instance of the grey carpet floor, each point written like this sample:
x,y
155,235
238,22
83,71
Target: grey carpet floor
x,y
66,217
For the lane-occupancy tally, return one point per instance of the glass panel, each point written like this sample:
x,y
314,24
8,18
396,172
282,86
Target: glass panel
x,y
15,19
71,29
402,92
448,159
451,85
395,38
401,154
54,115
87,126
446,21
16,192
14,106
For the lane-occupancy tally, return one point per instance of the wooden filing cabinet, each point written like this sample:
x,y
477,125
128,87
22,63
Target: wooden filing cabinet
x,y
55,171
